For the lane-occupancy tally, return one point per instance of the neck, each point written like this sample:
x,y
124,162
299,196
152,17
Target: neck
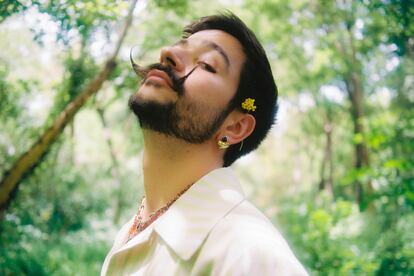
x,y
170,165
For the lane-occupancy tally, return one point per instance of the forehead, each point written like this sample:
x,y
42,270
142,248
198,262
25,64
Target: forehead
x,y
227,42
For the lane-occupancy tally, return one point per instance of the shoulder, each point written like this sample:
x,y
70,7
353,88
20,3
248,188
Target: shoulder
x,y
249,226
246,242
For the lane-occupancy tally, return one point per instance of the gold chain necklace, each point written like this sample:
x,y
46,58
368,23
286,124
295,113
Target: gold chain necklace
x,y
139,225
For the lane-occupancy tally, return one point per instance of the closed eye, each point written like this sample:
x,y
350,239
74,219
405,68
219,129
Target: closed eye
x,y
170,61
207,67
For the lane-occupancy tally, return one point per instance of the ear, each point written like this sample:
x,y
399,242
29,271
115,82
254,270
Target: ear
x,y
237,127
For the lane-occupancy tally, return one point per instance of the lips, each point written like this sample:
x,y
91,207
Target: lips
x,y
160,76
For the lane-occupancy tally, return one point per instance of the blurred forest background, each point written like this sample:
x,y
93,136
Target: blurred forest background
x,y
336,174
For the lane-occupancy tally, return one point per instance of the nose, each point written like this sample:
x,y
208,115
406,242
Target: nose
x,y
173,57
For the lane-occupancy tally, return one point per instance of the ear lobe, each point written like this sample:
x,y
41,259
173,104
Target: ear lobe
x,y
241,128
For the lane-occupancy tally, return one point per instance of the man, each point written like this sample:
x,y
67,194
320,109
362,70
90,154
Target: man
x,y
211,99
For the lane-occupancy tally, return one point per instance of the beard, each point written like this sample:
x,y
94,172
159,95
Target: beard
x,y
182,119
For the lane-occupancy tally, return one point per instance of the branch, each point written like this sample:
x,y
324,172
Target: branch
x,y
31,158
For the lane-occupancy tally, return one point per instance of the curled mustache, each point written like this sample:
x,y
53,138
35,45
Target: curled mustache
x,y
142,72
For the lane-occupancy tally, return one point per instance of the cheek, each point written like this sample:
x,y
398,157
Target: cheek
x,y
197,112
214,92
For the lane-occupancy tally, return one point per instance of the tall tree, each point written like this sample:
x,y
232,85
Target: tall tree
x,y
28,161
317,45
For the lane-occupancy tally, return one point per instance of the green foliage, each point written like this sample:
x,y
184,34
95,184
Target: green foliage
x,y
83,16
331,238
79,71
10,7
58,223
7,97
60,219
14,114
55,234
28,251
325,236
320,43
178,6
391,22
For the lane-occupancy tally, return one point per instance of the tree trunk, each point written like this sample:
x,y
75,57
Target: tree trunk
x,y
361,152
354,88
326,182
355,92
31,158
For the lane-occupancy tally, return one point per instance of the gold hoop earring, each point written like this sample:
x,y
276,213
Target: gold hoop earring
x,y
222,143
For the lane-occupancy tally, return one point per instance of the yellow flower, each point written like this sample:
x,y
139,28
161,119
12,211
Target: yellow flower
x,y
248,104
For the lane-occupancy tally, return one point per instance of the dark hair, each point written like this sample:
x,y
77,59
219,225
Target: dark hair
x,y
256,79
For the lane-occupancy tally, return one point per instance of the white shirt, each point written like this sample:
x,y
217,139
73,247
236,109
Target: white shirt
x,y
210,230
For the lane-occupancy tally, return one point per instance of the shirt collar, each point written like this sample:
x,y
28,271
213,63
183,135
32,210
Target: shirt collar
x,y
189,220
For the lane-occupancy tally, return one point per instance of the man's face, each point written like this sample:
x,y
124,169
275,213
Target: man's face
x,y
210,61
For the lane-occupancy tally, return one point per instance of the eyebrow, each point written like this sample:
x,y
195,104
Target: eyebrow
x,y
211,45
